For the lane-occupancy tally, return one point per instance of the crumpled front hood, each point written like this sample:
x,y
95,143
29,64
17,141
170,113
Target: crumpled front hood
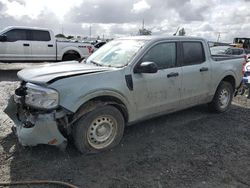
x,y
46,73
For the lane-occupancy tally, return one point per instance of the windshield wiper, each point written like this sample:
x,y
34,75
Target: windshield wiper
x,y
83,59
97,64
109,65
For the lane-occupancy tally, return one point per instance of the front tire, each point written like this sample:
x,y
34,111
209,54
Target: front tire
x,y
99,130
223,98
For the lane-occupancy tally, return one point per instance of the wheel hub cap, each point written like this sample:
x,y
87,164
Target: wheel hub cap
x,y
224,98
102,132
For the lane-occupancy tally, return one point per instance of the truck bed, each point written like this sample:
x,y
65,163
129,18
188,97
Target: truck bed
x,y
225,57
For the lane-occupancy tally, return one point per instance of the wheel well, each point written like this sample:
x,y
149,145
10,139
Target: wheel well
x,y
72,52
99,101
230,79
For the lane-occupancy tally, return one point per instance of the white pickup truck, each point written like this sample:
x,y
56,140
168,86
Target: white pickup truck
x,y
36,44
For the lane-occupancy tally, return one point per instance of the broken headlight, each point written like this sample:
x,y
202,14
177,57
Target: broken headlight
x,y
41,97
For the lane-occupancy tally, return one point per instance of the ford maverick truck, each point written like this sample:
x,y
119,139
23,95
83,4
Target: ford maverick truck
x,y
126,81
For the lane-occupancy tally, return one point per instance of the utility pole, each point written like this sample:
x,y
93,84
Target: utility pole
x,y
90,32
219,35
62,29
143,24
218,38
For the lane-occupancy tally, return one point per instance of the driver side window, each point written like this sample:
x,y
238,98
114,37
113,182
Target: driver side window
x,y
16,35
163,54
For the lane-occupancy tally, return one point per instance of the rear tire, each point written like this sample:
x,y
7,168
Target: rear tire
x,y
223,98
99,130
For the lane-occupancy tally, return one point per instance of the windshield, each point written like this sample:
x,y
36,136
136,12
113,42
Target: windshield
x,y
116,53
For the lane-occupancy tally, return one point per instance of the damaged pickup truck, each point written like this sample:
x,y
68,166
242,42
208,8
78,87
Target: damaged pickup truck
x,y
126,81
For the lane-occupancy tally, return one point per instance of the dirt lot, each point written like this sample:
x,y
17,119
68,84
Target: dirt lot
x,y
191,148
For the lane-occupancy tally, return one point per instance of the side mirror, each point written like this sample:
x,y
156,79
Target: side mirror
x,y
3,38
146,67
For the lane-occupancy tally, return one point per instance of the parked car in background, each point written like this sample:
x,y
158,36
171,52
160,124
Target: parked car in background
x,y
37,44
228,50
237,51
99,44
126,81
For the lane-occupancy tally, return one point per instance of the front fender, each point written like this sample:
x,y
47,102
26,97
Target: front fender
x,y
74,105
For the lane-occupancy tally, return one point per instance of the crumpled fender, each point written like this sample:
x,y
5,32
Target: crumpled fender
x,y
44,131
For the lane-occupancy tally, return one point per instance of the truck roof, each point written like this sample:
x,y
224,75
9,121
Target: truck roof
x,y
162,37
25,27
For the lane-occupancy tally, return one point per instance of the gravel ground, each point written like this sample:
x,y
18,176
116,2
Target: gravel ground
x,y
191,148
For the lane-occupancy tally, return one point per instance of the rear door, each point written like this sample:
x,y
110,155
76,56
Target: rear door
x,y
158,92
196,70
17,47
43,47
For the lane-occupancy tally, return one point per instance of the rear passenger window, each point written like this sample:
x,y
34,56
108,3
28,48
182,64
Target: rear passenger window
x,y
16,34
163,54
37,35
193,53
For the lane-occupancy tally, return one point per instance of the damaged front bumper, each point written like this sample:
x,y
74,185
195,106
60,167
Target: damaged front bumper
x,y
34,127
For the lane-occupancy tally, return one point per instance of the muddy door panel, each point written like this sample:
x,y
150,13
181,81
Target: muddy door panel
x,y
158,92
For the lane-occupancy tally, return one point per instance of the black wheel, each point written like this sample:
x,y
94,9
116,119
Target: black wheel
x,y
248,93
99,130
70,57
241,91
222,98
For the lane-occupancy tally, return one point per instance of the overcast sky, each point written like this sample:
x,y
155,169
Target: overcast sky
x,y
114,18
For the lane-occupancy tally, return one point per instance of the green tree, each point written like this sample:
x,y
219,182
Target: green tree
x,y
70,37
145,32
60,35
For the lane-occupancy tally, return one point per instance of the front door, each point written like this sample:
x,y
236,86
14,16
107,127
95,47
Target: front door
x,y
17,47
159,92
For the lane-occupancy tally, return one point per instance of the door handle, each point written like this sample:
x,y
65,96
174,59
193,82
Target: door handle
x,y
26,44
50,45
203,69
173,74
